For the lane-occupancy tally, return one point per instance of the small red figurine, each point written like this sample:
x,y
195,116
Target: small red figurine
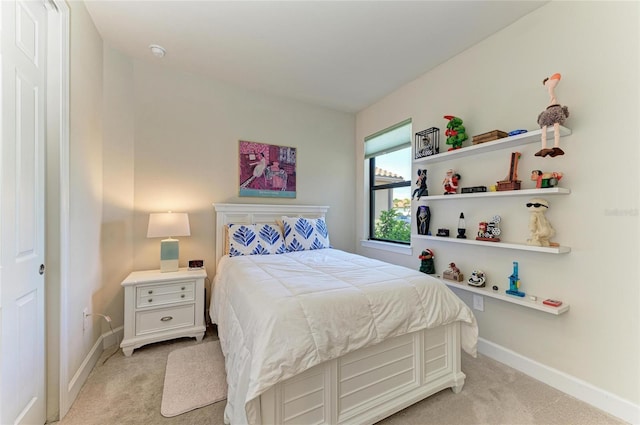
x,y
453,273
450,182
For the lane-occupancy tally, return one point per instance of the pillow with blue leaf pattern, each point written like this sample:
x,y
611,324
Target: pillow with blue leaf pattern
x,y
255,239
302,234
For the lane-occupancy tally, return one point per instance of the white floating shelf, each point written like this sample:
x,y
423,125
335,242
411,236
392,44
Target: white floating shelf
x,y
505,142
523,192
523,301
506,245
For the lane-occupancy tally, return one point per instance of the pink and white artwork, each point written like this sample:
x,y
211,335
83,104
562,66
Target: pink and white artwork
x,y
267,170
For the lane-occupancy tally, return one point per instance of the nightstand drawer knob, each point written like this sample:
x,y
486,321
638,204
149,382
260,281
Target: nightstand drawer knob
x,y
150,292
166,318
182,296
150,300
182,288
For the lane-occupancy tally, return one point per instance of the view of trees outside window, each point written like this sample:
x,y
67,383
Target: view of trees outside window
x,y
393,205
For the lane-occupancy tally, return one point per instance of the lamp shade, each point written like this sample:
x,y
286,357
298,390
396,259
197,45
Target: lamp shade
x,y
162,225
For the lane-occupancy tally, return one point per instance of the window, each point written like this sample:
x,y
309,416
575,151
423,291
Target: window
x,y
389,155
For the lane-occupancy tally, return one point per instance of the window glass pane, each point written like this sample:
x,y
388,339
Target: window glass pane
x,y
392,206
397,164
392,215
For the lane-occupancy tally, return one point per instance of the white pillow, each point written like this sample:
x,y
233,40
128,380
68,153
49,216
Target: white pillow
x,y
255,239
301,234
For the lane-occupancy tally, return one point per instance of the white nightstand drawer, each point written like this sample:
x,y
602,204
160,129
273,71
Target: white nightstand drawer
x,y
155,300
164,318
169,288
148,296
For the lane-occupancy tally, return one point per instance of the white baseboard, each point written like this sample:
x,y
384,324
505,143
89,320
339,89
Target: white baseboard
x,y
110,339
83,371
104,341
588,393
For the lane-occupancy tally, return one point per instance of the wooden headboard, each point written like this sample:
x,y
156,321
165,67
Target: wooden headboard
x,y
257,214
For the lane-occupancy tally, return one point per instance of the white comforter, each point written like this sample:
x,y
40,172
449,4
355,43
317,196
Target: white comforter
x,y
279,315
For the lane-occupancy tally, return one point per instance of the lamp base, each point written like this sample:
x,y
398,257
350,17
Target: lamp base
x,y
168,266
169,254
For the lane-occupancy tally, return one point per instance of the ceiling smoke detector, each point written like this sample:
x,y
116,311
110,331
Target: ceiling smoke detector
x,y
157,51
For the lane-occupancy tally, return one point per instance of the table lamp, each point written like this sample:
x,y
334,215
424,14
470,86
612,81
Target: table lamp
x,y
166,225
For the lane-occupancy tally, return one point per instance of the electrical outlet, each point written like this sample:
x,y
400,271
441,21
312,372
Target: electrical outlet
x,y
85,318
478,302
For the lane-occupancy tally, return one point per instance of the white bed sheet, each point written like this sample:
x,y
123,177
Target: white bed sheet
x,y
279,315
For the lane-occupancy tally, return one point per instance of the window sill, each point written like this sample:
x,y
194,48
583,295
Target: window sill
x,y
387,246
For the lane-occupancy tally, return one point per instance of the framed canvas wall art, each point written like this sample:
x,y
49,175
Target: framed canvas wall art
x,y
267,170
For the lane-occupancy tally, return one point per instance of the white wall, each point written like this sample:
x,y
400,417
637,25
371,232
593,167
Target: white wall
x,y
85,187
497,84
118,175
187,130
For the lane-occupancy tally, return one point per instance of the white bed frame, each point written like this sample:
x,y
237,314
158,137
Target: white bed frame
x,y
366,385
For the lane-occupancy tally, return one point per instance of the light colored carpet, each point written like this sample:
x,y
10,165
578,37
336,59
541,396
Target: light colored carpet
x,y
128,391
194,378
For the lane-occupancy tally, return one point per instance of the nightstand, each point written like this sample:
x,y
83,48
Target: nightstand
x,y
160,306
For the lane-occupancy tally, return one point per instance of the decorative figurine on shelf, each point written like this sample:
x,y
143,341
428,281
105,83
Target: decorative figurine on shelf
x,y
544,180
539,227
554,115
443,232
423,217
477,279
426,262
421,182
450,182
462,227
511,182
514,282
455,132
427,142
453,273
489,231
516,132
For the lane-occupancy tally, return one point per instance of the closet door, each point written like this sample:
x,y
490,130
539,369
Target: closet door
x,y
23,76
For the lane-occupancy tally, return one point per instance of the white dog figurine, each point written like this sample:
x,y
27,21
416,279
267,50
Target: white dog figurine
x,y
539,227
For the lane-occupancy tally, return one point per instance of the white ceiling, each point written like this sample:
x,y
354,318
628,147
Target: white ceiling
x,y
344,55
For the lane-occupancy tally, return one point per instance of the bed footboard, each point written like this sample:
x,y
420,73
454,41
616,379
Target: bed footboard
x,y
369,384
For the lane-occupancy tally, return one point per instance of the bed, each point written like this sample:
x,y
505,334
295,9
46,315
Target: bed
x,y
315,335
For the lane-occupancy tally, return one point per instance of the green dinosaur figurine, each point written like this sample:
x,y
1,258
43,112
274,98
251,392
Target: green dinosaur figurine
x,y
455,132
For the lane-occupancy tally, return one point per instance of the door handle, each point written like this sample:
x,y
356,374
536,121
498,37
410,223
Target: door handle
x,y
41,269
